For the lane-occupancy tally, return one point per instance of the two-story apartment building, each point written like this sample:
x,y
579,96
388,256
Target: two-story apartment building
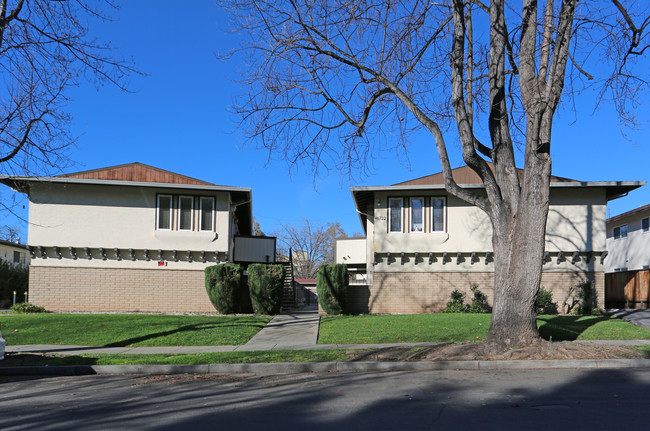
x,y
422,243
133,238
627,266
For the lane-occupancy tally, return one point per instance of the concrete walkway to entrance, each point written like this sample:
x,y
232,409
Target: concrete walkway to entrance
x,y
291,331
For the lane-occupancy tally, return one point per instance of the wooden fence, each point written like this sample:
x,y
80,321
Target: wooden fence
x,y
629,289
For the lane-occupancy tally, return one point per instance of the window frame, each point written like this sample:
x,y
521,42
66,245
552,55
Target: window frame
x,y
620,236
401,214
171,211
180,213
212,214
422,217
444,213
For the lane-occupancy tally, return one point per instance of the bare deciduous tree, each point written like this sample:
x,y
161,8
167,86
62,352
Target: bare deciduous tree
x,y
311,244
45,50
330,83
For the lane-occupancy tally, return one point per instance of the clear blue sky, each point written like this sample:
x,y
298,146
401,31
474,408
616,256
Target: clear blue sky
x,y
177,119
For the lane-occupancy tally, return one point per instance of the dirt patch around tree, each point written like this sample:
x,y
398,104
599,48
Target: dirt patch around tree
x,y
481,352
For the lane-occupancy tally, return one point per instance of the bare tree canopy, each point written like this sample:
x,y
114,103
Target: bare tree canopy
x,y
331,83
45,49
311,245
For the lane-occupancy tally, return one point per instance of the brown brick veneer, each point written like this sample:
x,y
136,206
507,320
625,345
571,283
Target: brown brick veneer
x,y
109,289
400,292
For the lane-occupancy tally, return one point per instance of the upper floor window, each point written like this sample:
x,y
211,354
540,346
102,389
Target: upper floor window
x,y
395,215
620,232
645,224
438,214
164,212
417,215
180,213
207,213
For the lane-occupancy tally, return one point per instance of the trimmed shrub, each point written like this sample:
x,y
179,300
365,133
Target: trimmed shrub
x,y
222,284
544,303
27,308
479,301
12,278
332,284
457,303
265,284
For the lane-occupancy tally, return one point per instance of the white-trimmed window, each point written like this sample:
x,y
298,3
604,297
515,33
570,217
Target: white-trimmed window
x,y
206,208
417,215
395,215
438,214
620,232
645,224
185,212
164,219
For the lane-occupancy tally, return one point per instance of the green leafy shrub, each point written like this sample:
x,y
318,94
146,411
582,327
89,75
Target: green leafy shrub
x,y
479,301
265,284
332,285
457,303
222,283
27,308
12,278
544,303
586,296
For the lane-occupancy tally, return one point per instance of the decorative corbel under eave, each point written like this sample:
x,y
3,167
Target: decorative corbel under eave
x,y
473,258
603,255
161,255
488,256
415,259
189,256
57,251
459,258
117,253
575,257
545,258
402,258
32,252
444,257
102,253
431,257
132,254
560,257
73,252
175,255
146,255
41,250
89,255
203,258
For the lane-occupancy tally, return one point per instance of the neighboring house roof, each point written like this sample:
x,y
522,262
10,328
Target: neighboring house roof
x,y
305,280
467,178
620,217
141,175
13,244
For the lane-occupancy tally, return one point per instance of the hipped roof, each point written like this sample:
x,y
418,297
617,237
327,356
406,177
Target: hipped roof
x,y
141,175
467,178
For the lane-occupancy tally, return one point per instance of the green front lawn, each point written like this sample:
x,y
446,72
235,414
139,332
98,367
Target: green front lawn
x,y
465,327
120,330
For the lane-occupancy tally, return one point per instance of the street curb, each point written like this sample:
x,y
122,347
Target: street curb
x,y
290,367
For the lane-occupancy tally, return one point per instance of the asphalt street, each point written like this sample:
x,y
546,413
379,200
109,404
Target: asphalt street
x,y
487,400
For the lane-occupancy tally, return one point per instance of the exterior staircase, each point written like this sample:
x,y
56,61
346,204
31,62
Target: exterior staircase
x,y
289,291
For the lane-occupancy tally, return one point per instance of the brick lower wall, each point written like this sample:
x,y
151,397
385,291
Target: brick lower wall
x,y
404,292
114,289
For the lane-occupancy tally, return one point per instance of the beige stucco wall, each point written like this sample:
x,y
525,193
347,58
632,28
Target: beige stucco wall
x,y
576,222
82,215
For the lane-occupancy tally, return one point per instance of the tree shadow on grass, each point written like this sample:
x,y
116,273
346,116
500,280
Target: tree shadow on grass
x,y
185,329
566,328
